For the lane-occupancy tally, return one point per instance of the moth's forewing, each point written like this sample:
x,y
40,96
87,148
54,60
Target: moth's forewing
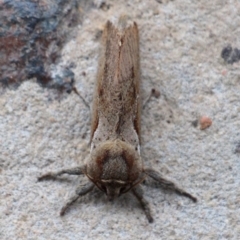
x,y
117,99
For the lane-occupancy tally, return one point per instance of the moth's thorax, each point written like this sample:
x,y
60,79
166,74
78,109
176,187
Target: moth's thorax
x,y
106,131
115,167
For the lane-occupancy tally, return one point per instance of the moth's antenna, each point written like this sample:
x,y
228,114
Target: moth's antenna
x,y
84,101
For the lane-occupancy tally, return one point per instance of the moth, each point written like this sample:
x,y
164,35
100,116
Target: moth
x,y
115,165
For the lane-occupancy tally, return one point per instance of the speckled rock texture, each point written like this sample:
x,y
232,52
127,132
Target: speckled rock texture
x,y
42,129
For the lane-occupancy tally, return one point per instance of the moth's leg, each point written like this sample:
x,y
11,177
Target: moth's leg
x,y
71,171
80,191
82,98
168,184
138,193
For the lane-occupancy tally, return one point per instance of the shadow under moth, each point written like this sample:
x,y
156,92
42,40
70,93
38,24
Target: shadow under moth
x,y
115,165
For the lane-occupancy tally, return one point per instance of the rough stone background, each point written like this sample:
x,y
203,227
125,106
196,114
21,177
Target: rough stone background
x,y
42,129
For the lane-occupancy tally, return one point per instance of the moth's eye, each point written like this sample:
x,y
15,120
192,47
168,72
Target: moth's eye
x,y
103,188
123,190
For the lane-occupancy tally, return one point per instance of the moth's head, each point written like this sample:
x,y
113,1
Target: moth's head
x,y
115,167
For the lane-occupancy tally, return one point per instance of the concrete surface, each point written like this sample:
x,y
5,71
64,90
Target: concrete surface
x,y
42,130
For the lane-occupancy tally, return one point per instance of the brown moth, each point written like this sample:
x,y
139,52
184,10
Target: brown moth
x,y
115,165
